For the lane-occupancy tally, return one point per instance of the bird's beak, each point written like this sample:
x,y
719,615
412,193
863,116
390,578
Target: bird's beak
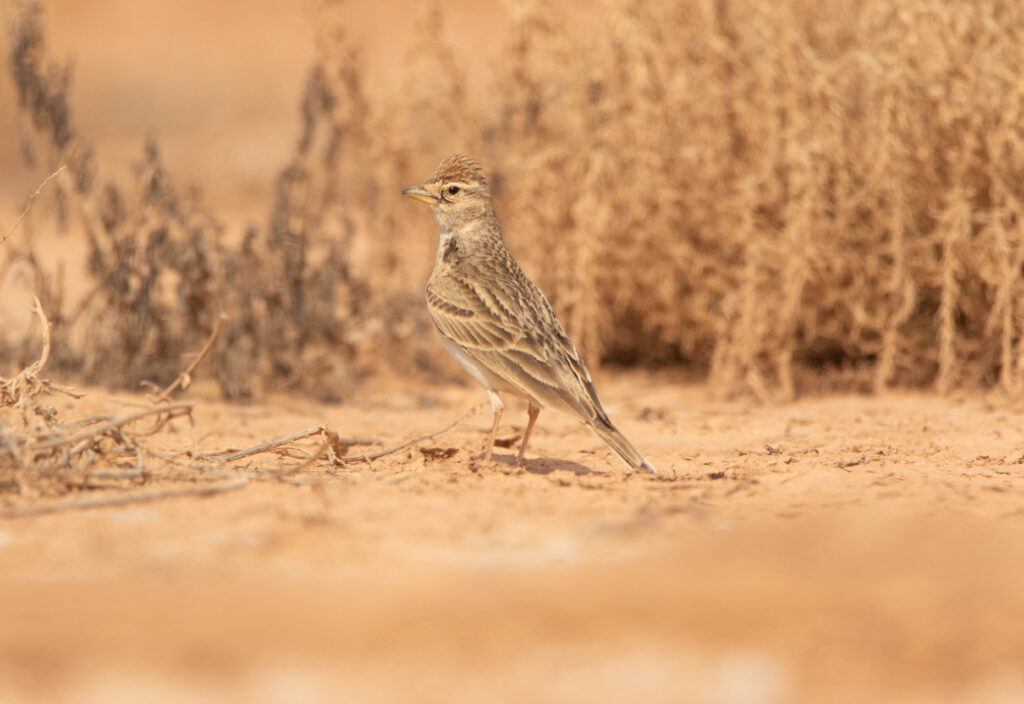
x,y
420,193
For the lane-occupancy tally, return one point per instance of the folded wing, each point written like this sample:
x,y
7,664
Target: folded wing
x,y
494,327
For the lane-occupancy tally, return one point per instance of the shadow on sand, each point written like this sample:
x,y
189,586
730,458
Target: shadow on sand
x,y
546,465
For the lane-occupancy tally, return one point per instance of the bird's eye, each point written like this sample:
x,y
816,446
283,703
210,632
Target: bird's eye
x,y
453,189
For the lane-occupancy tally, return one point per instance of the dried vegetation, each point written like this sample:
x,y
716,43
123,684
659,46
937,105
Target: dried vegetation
x,y
783,195
103,458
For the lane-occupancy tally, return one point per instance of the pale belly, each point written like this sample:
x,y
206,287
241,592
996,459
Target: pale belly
x,y
487,378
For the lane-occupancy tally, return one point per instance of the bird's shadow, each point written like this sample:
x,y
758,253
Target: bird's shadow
x,y
545,465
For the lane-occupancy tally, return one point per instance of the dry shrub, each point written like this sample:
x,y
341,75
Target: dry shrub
x,y
772,193
162,273
43,455
150,246
769,189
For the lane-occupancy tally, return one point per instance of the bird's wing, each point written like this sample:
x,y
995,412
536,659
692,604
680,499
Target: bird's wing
x,y
462,315
518,338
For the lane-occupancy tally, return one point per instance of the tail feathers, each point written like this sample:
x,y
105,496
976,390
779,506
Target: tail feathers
x,y
623,447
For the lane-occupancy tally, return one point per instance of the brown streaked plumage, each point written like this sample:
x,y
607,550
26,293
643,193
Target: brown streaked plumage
x,y
494,320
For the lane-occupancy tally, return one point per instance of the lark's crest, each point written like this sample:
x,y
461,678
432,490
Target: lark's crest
x,y
458,168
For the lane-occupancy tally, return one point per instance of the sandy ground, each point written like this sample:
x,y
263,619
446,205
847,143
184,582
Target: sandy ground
x,y
838,549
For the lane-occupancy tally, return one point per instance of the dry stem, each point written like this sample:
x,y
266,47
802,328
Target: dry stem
x,y
185,378
28,205
27,383
402,445
336,442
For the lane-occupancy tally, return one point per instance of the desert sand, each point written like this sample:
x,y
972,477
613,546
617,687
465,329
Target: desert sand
x,y
832,549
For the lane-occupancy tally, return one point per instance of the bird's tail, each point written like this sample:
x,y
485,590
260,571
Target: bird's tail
x,y
623,447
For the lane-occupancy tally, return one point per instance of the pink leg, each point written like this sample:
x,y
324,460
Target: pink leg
x,y
497,406
533,412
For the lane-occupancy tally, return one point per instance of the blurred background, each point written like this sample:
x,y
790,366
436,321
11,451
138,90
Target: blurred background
x,y
779,197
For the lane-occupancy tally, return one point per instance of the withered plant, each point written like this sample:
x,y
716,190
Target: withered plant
x,y
781,195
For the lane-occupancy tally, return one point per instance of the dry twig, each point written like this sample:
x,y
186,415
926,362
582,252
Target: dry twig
x,y
27,383
28,205
172,410
333,444
334,440
403,445
185,378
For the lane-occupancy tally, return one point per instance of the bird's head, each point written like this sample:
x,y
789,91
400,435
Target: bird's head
x,y
456,191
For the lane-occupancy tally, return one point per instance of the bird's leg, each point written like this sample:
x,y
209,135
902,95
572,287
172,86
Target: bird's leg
x,y
497,406
532,412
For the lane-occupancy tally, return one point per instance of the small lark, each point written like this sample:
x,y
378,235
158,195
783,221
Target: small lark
x,y
494,320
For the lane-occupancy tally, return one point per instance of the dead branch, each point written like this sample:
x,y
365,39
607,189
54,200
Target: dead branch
x,y
172,410
231,455
122,499
331,442
37,308
88,420
402,445
284,474
324,447
47,447
28,205
27,382
173,458
185,378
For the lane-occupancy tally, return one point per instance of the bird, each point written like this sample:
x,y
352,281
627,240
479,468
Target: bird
x,y
495,321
